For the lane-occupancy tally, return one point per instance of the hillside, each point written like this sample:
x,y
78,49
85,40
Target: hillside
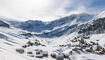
x,y
78,37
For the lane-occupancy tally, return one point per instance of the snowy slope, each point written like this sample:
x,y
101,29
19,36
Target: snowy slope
x,y
101,15
55,28
62,31
94,26
7,49
8,44
39,26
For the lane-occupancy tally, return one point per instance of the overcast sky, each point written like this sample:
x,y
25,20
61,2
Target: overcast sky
x,y
47,10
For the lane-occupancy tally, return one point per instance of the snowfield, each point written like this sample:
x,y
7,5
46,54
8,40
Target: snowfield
x,y
7,48
61,40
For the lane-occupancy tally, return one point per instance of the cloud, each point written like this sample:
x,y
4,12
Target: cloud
x,y
45,10
32,9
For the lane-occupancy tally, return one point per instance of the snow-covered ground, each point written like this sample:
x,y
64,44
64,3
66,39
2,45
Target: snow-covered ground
x,y
11,39
7,48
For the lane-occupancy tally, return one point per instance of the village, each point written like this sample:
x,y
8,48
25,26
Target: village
x,y
78,44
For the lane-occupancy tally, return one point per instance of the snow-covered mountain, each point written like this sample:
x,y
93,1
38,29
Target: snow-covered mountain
x,y
39,26
55,28
59,36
